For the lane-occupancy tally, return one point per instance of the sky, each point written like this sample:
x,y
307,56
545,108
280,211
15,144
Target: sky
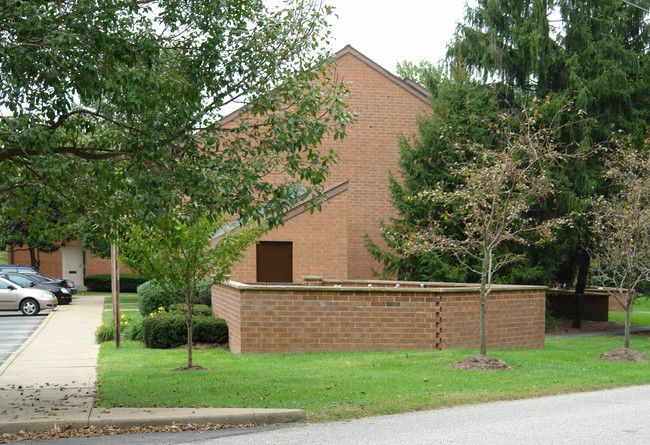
x,y
391,31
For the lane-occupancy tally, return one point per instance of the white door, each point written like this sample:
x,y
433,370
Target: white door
x,y
72,263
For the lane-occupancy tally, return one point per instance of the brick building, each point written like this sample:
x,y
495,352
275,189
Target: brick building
x,y
329,243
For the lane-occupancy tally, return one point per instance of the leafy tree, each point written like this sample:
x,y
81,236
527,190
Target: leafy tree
x,y
621,227
32,221
593,52
461,110
176,252
425,73
498,191
109,104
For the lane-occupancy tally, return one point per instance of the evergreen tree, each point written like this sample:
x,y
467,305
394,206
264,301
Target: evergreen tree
x,y
462,111
592,52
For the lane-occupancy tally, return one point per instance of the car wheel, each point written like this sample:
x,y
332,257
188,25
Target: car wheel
x,y
29,307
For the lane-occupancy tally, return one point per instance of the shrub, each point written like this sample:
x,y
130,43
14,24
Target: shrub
x,y
130,328
104,332
198,309
102,282
210,330
164,331
168,331
151,296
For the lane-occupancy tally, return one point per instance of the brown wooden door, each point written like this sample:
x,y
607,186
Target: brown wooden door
x,y
275,262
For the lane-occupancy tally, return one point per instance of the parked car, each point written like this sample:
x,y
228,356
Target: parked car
x,y
16,268
29,301
37,281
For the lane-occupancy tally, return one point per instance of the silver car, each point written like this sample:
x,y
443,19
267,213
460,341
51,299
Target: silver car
x,y
29,301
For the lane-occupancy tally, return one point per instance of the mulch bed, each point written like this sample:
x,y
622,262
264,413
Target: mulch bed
x,y
624,355
480,362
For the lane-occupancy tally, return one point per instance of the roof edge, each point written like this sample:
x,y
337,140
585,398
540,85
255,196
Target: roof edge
x,y
329,192
408,84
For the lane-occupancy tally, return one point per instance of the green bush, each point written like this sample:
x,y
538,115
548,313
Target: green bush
x,y
130,328
104,332
198,309
210,330
168,331
151,296
102,282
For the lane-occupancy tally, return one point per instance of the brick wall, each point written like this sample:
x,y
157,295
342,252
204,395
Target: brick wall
x,y
320,316
515,318
385,110
320,247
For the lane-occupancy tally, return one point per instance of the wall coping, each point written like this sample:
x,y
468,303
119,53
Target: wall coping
x,y
376,286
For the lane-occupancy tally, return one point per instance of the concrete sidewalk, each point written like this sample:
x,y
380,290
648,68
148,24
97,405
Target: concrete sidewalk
x,y
50,381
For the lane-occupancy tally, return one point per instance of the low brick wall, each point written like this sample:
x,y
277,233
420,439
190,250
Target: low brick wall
x,y
596,305
328,315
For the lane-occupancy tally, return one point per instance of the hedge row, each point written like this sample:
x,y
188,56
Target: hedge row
x,y
198,309
151,296
168,331
102,282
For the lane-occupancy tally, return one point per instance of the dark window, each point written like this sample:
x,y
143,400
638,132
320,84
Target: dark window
x,y
19,279
275,262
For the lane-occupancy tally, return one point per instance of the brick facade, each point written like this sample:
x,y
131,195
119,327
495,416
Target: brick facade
x,y
52,264
320,316
330,243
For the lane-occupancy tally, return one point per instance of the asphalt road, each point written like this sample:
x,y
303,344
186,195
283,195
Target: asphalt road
x,y
15,329
611,417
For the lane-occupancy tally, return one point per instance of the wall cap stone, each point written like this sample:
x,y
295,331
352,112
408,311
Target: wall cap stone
x,y
377,286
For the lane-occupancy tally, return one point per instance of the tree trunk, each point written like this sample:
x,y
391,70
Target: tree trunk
x,y
629,302
189,339
484,286
627,326
34,258
581,285
188,303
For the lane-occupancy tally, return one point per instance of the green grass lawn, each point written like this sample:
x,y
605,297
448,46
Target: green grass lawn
x,y
4,257
642,304
128,302
340,385
640,316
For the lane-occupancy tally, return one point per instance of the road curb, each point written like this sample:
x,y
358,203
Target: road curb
x,y
135,417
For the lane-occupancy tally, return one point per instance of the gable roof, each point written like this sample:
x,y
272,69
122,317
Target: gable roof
x,y
408,84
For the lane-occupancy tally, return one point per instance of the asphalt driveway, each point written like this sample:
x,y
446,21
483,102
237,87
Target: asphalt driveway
x,y
15,329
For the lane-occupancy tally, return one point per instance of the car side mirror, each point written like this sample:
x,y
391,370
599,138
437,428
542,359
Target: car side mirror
x,y
10,287
31,285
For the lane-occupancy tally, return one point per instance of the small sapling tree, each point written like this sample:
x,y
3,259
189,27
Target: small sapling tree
x,y
493,203
621,227
177,252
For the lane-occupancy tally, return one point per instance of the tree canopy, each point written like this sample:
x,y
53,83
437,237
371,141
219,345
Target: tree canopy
x,y
114,106
591,52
